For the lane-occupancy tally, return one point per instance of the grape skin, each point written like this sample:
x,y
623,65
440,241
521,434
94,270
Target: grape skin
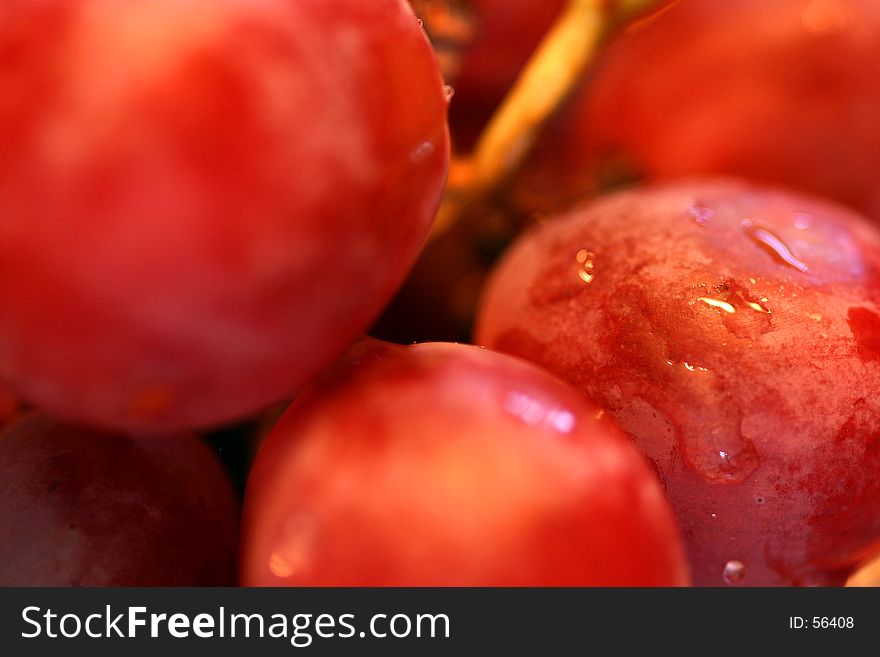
x,y
79,507
733,332
203,203
442,464
783,92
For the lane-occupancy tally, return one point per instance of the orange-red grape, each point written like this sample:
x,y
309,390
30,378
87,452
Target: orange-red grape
x,y
203,203
443,464
783,92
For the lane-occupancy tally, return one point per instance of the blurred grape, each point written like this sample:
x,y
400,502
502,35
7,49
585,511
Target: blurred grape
x,y
79,507
204,203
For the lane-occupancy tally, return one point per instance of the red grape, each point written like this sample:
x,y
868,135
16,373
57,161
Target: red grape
x,y
784,92
733,331
443,464
204,203
83,508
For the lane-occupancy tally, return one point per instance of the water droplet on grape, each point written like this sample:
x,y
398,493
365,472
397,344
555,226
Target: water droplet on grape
x,y
422,152
774,245
734,572
449,92
700,214
720,304
720,454
736,466
743,314
585,260
688,366
714,516
420,22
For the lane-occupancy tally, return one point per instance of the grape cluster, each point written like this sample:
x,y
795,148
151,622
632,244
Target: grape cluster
x,y
206,207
